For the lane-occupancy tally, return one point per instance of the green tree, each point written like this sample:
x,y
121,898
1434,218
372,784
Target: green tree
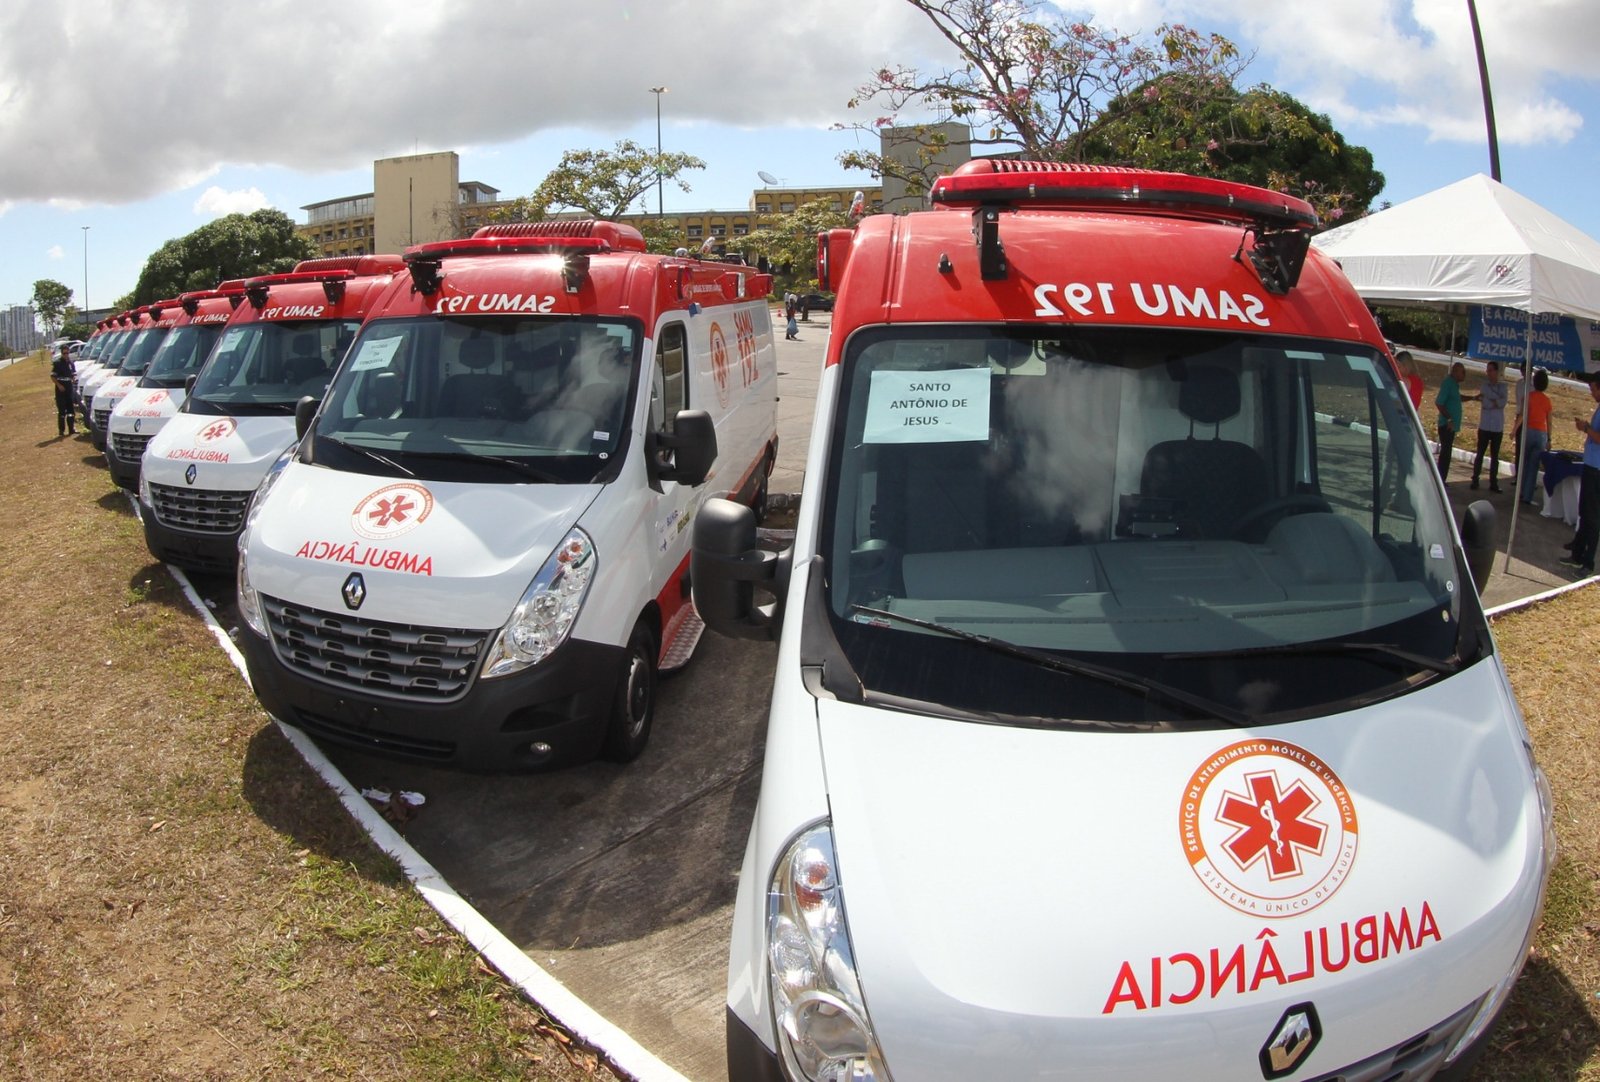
x,y
1035,82
1029,80
234,246
1258,136
50,301
789,242
604,183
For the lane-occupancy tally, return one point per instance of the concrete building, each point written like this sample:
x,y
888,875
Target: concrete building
x,y
926,151
421,198
18,328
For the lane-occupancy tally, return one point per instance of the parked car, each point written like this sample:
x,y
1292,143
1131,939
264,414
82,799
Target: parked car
x,y
816,302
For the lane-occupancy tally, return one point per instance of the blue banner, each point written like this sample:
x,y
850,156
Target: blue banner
x,y
1560,343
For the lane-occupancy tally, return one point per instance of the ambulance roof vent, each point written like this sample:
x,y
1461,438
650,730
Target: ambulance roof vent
x,y
356,264
558,234
1281,223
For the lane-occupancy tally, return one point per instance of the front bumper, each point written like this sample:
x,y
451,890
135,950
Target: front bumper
x,y
564,701
748,1059
212,553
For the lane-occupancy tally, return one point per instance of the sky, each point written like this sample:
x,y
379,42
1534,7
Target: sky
x,y
144,119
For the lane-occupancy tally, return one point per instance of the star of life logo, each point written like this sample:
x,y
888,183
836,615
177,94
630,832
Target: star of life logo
x,y
1268,828
391,511
719,363
219,429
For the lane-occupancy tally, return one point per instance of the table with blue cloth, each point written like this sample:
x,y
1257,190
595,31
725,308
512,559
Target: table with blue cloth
x,y
1562,472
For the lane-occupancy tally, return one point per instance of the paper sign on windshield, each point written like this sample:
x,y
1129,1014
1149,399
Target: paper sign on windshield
x,y
375,353
928,407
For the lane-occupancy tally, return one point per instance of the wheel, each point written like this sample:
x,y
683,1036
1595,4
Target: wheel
x,y
1267,513
634,707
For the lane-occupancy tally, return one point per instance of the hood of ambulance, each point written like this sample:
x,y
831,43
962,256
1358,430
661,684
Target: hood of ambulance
x,y
230,454
1028,903
462,558
112,391
146,409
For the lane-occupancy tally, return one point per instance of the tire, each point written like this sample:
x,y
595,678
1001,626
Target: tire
x,y
633,709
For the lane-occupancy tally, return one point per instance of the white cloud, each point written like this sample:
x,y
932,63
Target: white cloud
x,y
55,251
229,84
214,202
1410,64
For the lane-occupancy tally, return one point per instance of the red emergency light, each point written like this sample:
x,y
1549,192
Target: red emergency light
x,y
573,240
1006,183
359,265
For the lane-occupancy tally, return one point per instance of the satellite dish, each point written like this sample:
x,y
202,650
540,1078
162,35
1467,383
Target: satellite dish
x,y
766,177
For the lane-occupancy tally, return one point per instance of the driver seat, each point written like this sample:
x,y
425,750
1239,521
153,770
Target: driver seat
x,y
1209,483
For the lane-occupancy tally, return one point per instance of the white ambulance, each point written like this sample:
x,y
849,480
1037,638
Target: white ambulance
x,y
158,321
129,325
478,554
281,344
156,397
1135,714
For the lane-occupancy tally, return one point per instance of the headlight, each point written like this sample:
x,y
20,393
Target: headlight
x,y
249,603
823,1030
548,609
145,496
1490,1006
259,496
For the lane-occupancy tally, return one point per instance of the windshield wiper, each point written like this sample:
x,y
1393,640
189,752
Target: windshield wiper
x,y
1138,685
1375,651
369,453
516,465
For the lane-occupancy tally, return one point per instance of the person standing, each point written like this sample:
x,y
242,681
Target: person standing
x,y
1491,425
1448,401
61,375
1583,545
1407,365
1534,422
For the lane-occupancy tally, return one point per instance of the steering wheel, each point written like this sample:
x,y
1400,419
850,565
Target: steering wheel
x,y
1301,503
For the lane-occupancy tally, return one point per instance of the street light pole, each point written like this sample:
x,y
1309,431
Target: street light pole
x,y
1488,99
658,91
85,307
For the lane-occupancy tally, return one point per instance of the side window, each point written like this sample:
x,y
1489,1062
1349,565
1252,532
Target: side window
x,y
671,353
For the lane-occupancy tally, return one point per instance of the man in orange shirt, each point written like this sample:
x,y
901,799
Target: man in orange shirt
x,y
1535,421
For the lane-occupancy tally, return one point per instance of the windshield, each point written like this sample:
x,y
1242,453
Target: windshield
x,y
145,344
500,400
181,355
265,368
118,349
1250,521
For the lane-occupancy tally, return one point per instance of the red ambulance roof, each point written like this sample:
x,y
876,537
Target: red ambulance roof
x,y
1089,245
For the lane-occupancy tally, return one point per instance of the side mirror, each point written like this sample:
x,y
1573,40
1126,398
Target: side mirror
x,y
304,410
724,568
1479,524
686,453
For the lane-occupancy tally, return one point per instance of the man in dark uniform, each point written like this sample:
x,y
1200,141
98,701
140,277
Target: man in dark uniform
x,y
61,375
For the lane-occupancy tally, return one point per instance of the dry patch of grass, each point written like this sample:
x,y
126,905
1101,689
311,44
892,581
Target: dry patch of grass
x,y
180,897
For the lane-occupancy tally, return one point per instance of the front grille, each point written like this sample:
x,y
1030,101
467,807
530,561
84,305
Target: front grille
x,y
377,739
101,419
426,663
1420,1057
128,446
200,510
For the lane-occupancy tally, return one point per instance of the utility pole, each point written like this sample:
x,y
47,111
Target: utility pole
x,y
1488,99
658,91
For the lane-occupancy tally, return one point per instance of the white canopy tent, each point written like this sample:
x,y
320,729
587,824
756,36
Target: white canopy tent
x,y
1472,242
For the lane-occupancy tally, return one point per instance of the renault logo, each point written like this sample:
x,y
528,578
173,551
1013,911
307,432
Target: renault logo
x,y
137,422
354,590
1292,1040
190,473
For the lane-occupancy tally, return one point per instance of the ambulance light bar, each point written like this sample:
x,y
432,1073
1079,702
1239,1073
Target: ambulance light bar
x,y
233,289
1281,223
1015,184
333,280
